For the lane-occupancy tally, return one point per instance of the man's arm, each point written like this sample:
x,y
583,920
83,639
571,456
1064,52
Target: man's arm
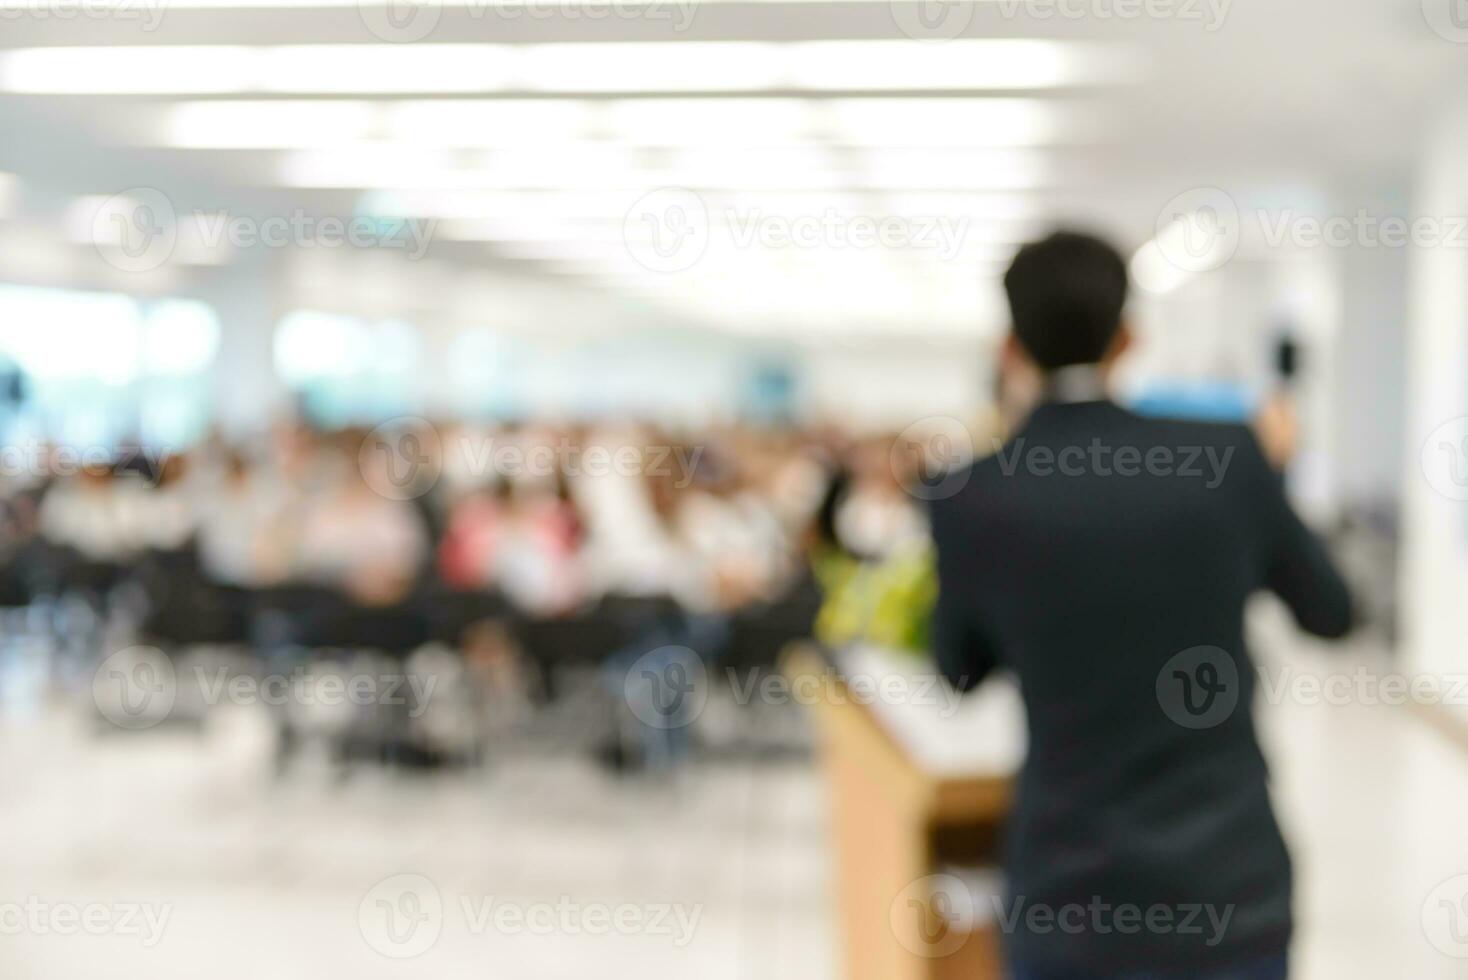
x,y
963,654
1297,567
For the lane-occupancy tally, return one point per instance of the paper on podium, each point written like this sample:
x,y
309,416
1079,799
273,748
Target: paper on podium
x,y
975,896
981,733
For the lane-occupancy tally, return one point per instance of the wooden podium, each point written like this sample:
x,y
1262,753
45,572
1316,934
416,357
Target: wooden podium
x,y
896,823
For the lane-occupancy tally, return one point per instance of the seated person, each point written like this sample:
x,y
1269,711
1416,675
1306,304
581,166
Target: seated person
x,y
469,554
247,528
370,547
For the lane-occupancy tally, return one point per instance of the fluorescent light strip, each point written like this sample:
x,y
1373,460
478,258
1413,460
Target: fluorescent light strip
x,y
708,122
970,168
713,66
520,214
586,166
697,123
489,122
951,122
498,204
976,207
959,64
696,66
602,164
313,123
265,125
470,5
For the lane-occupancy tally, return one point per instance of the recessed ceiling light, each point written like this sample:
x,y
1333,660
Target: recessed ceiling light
x,y
711,122
248,125
674,66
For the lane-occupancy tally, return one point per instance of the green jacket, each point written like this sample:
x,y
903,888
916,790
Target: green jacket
x,y
886,603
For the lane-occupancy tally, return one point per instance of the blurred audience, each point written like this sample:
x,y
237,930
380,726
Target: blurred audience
x,y
518,550
551,518
354,539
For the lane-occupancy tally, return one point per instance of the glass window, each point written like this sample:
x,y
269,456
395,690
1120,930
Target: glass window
x,y
348,370
98,368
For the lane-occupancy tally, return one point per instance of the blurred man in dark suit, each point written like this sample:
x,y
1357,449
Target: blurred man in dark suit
x,y
1106,558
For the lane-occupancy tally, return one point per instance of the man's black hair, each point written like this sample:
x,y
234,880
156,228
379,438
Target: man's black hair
x,y
1066,294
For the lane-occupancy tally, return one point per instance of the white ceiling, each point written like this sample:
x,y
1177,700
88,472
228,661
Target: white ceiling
x,y
532,135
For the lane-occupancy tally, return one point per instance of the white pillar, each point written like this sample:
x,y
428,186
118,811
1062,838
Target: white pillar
x,y
1369,391
248,394
1435,534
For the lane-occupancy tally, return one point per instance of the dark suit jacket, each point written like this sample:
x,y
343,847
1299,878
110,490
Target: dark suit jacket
x,y
1106,558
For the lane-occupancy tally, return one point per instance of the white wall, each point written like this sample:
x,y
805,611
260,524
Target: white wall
x,y
1435,556
888,385
1368,408
248,395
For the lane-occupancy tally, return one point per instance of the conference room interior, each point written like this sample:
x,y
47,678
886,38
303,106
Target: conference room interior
x,y
404,404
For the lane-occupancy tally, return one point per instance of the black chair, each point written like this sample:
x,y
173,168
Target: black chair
x,y
451,612
761,632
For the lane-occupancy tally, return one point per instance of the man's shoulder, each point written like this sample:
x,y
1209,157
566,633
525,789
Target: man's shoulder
x,y
1122,427
1197,430
1140,443
1229,445
1175,433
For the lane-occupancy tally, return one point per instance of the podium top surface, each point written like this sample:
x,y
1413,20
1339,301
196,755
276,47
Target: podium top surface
x,y
945,734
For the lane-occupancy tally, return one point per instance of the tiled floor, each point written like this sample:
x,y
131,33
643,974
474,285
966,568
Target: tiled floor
x,y
279,879
264,879
1375,806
